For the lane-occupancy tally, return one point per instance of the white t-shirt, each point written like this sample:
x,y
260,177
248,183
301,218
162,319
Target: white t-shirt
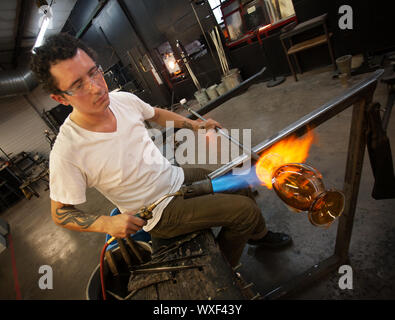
x,y
125,165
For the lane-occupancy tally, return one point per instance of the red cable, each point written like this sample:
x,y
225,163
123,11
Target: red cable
x,y
103,286
14,270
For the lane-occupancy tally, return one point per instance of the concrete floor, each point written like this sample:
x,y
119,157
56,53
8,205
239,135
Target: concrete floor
x,y
73,256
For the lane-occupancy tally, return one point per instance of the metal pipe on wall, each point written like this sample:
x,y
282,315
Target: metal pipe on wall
x,y
17,82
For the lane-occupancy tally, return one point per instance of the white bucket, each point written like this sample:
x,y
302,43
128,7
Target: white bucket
x,y
201,96
344,64
232,79
212,92
221,89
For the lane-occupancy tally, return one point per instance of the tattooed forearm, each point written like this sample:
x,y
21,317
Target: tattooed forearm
x,y
187,125
70,214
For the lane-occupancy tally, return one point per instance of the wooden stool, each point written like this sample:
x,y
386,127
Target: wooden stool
x,y
310,43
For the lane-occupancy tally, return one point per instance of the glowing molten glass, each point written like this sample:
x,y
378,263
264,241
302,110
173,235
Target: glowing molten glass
x,y
298,185
290,150
301,187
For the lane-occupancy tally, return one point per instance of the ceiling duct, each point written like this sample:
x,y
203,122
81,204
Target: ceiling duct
x,y
17,82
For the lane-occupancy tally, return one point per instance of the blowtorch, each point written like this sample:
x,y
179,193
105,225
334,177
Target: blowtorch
x,y
192,190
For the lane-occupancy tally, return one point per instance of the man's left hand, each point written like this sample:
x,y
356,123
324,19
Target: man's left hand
x,y
208,124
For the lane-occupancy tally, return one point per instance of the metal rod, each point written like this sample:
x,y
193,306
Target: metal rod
x,y
243,86
133,247
124,252
166,269
311,120
220,131
151,264
111,263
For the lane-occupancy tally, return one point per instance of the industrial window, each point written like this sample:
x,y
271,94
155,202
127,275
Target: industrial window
x,y
216,8
275,9
239,17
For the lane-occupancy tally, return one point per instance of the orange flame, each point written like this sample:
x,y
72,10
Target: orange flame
x,y
290,150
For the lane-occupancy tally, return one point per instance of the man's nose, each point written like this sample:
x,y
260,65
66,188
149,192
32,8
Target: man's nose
x,y
94,86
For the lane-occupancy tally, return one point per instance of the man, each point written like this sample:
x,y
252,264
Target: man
x,y
104,144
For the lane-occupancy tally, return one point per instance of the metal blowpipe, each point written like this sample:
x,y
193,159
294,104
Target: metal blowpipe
x,y
253,154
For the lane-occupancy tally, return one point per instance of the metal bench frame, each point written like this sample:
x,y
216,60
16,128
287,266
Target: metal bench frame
x,y
360,96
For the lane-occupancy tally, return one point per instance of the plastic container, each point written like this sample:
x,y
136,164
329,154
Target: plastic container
x,y
201,96
344,79
344,64
212,92
221,89
232,79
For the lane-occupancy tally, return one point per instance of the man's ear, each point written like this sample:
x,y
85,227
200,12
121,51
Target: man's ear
x,y
59,98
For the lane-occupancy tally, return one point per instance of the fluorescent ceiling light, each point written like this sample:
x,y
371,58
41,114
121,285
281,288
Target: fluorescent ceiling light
x,y
43,29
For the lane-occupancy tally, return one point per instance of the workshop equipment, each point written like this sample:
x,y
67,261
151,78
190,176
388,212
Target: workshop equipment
x,y
212,92
232,79
220,131
211,105
344,64
360,95
220,50
298,185
202,96
190,267
186,62
124,252
165,269
193,190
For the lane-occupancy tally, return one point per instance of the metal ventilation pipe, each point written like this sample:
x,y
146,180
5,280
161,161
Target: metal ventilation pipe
x,y
16,82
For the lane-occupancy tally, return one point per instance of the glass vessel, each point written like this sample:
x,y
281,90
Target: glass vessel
x,y
301,187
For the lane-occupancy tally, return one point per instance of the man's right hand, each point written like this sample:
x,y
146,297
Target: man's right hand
x,y
125,224
120,226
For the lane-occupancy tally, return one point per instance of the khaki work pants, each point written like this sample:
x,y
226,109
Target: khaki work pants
x,y
237,214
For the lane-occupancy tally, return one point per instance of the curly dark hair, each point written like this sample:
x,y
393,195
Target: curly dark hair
x,y
56,48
